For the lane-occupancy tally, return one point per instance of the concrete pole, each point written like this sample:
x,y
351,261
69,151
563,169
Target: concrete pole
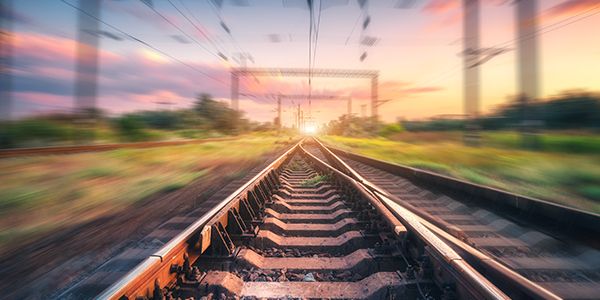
x,y
527,49
6,32
279,114
302,121
528,68
471,74
86,84
235,90
349,107
374,101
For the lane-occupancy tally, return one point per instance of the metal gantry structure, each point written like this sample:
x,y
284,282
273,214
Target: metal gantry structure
x,y
304,72
300,119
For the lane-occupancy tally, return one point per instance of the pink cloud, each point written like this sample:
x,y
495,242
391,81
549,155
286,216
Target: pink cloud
x,y
435,7
569,8
46,99
50,48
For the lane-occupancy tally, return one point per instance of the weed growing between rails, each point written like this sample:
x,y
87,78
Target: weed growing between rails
x,y
310,183
299,166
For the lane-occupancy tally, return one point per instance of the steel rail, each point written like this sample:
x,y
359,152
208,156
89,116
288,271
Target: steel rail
x,y
478,281
155,261
531,289
4,153
449,233
578,218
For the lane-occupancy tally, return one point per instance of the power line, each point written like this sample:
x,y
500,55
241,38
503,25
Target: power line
x,y
199,30
145,44
227,30
317,33
190,37
353,27
232,38
538,32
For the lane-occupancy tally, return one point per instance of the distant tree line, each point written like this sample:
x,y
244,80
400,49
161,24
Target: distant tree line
x,y
207,117
570,110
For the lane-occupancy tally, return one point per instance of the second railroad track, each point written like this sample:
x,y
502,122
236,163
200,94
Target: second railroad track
x,y
317,224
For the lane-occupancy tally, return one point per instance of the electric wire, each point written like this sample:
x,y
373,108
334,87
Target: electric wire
x,y
318,26
354,27
232,38
509,43
541,31
146,44
182,31
199,30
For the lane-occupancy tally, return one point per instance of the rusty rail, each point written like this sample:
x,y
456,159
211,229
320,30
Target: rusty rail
x,y
196,238
448,232
468,273
576,222
157,265
5,153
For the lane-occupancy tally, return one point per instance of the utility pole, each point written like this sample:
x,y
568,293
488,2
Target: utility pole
x,y
279,114
527,55
241,57
235,86
86,85
302,120
374,101
298,117
6,19
471,73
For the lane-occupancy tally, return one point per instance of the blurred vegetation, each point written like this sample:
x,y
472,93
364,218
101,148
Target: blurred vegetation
x,y
566,178
389,129
579,110
207,118
39,194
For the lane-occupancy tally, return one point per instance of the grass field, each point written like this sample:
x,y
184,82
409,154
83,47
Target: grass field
x,y
557,175
39,194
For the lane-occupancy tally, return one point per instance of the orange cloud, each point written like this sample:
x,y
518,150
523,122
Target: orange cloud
x,y
570,8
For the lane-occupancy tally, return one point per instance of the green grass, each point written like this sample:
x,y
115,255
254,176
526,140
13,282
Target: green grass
x,y
553,142
309,183
41,193
568,178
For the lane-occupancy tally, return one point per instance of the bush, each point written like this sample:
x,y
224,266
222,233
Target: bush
x,y
130,129
389,129
189,133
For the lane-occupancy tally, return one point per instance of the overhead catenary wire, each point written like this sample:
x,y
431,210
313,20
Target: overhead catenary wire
x,y
182,31
197,28
318,26
147,44
573,19
234,41
353,27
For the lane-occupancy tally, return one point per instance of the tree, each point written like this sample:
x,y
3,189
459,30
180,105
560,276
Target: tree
x,y
218,115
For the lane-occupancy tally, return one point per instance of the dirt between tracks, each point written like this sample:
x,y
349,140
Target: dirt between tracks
x,y
48,266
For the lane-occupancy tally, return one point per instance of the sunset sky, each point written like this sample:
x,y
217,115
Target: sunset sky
x,y
416,54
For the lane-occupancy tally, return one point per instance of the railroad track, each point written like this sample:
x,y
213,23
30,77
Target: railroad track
x,y
5,153
310,226
544,249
